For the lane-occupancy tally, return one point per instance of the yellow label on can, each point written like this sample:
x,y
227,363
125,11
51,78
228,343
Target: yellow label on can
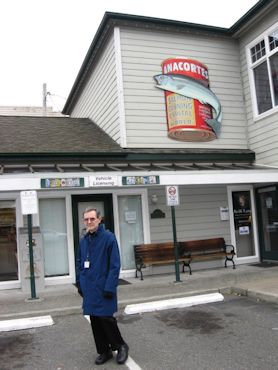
x,y
180,111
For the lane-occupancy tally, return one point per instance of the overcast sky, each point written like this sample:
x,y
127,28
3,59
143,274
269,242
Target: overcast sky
x,y
45,41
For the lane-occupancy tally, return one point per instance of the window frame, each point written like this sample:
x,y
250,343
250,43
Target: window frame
x,y
252,65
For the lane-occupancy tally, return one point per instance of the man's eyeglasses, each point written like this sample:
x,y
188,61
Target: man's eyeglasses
x,y
89,219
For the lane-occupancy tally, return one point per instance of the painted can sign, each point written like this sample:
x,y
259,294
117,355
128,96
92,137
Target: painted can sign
x,y
189,101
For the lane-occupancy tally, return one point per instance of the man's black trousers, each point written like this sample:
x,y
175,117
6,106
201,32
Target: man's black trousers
x,y
106,333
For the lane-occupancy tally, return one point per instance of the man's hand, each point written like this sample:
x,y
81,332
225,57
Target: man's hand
x,y
107,295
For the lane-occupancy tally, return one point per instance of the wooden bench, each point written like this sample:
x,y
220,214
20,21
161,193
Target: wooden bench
x,y
188,251
155,254
200,250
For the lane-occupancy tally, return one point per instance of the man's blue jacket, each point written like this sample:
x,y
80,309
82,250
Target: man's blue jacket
x,y
102,251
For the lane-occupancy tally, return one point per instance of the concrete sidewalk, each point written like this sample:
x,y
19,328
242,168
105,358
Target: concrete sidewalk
x,y
258,282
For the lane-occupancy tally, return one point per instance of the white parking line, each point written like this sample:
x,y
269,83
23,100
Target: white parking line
x,y
173,303
130,363
26,323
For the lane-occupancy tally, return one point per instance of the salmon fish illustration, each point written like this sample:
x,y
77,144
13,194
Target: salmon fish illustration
x,y
191,88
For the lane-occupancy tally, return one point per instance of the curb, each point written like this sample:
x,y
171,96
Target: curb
x,y
265,297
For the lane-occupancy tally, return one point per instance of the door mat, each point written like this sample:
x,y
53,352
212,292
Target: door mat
x,y
123,282
265,264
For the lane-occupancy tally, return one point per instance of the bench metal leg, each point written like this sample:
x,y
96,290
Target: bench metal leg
x,y
230,259
139,268
188,265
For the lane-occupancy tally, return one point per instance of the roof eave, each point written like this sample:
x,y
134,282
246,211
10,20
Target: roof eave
x,y
104,28
249,15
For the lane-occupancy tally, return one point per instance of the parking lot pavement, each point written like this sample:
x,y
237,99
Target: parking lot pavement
x,y
66,345
237,333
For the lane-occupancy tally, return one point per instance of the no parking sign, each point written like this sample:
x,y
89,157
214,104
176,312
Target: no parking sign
x,y
172,195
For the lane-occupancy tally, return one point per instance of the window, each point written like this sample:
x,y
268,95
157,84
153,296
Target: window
x,y
263,56
54,235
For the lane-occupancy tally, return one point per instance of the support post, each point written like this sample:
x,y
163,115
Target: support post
x,y
176,251
31,258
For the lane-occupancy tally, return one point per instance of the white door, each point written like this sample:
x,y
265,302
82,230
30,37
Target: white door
x,y
131,227
243,224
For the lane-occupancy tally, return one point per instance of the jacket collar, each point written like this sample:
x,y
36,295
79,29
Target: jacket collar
x,y
99,230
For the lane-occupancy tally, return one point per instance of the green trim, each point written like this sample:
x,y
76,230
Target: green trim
x,y
128,156
192,157
63,154
55,158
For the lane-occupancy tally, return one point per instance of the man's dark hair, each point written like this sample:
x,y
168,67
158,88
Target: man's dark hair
x,y
89,209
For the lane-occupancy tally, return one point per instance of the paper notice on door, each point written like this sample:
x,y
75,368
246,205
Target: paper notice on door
x,y
244,230
130,217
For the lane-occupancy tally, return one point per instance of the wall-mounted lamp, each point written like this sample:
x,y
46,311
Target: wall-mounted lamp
x,y
154,199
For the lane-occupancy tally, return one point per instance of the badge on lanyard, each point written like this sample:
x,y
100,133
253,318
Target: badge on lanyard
x,y
86,264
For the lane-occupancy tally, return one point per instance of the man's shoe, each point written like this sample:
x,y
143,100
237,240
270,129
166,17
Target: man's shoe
x,y
122,354
101,359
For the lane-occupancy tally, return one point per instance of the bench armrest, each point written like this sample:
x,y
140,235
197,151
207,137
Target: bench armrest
x,y
230,248
185,254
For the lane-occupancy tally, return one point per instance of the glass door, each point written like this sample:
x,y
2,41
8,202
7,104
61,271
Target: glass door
x,y
268,217
131,227
8,243
243,223
102,202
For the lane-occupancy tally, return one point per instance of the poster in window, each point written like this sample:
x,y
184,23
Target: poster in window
x,y
242,209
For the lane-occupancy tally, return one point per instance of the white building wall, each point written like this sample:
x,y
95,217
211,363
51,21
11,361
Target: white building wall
x,y
197,216
143,51
262,132
99,98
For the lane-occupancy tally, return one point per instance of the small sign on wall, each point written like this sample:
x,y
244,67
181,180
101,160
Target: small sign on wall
x,y
104,180
140,180
224,213
59,183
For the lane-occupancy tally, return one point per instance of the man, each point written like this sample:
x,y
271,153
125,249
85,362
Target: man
x,y
98,268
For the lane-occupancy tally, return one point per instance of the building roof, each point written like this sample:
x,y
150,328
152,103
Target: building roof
x,y
22,134
63,144
110,20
